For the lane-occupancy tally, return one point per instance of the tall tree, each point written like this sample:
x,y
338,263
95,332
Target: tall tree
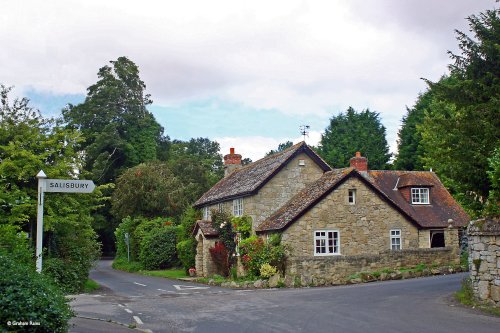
x,y
119,131
410,150
351,132
281,147
462,127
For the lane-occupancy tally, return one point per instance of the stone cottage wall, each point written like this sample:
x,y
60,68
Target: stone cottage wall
x,y
484,259
364,228
203,260
336,269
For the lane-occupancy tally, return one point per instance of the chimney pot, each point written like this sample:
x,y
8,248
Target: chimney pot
x,y
231,151
358,154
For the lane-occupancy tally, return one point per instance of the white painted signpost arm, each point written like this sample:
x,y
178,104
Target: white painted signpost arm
x,y
39,220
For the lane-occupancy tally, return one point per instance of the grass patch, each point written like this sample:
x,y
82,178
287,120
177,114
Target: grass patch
x,y
136,267
90,285
466,296
167,273
123,265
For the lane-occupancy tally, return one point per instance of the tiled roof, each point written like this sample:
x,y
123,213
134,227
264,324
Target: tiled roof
x,y
303,200
206,228
250,178
442,208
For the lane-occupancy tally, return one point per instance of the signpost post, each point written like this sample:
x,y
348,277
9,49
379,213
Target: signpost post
x,y
54,185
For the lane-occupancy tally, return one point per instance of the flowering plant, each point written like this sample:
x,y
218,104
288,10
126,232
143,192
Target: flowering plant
x,y
192,270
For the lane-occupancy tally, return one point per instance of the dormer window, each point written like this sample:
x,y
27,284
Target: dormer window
x,y
420,196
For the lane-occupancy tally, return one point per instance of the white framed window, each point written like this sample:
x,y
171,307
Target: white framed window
x,y
395,239
238,207
220,207
302,162
326,242
351,196
420,196
206,213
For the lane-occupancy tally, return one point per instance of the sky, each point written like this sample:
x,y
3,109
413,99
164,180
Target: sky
x,y
247,74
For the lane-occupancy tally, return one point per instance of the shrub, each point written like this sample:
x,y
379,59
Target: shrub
x,y
72,251
158,249
27,296
127,225
255,252
243,225
266,270
186,250
13,242
220,254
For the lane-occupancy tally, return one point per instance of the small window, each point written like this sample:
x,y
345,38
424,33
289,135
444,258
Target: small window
x,y
238,207
302,162
220,207
206,213
326,242
420,196
351,197
396,239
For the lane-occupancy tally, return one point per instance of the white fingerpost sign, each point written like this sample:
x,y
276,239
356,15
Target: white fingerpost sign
x,y
54,185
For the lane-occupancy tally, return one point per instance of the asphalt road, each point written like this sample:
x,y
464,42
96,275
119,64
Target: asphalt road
x,y
162,305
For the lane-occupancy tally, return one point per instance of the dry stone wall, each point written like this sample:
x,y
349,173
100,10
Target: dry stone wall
x,y
484,259
333,270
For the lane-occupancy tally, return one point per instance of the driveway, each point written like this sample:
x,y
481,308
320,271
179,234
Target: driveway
x,y
162,305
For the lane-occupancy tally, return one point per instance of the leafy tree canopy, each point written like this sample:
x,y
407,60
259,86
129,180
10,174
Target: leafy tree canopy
x,y
119,131
462,126
29,143
351,132
281,147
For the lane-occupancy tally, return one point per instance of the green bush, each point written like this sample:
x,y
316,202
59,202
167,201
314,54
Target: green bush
x,y
186,250
266,270
72,252
243,225
255,253
14,243
158,248
28,296
127,225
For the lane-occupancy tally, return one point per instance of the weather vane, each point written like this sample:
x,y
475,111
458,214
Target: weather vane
x,y
304,130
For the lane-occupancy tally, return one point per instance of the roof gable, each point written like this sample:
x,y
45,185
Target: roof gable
x,y
249,179
384,184
206,228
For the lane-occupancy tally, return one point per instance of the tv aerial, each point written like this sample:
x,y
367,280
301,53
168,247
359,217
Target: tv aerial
x,y
304,131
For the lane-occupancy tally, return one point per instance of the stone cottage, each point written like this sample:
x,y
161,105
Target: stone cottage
x,y
337,222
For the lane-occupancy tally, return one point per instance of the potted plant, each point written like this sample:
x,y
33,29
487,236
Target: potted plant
x,y
192,271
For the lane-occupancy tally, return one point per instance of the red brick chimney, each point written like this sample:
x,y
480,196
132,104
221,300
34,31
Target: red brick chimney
x,y
359,162
232,162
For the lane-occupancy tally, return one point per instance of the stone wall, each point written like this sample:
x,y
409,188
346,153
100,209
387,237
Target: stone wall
x,y
484,259
203,260
364,227
330,270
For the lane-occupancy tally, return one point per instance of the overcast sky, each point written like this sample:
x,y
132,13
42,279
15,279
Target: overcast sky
x,y
244,73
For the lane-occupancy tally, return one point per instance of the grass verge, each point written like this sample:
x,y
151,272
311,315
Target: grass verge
x,y
90,285
466,296
136,267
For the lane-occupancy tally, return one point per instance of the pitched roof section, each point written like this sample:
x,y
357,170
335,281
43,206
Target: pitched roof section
x,y
305,199
249,179
436,215
206,228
